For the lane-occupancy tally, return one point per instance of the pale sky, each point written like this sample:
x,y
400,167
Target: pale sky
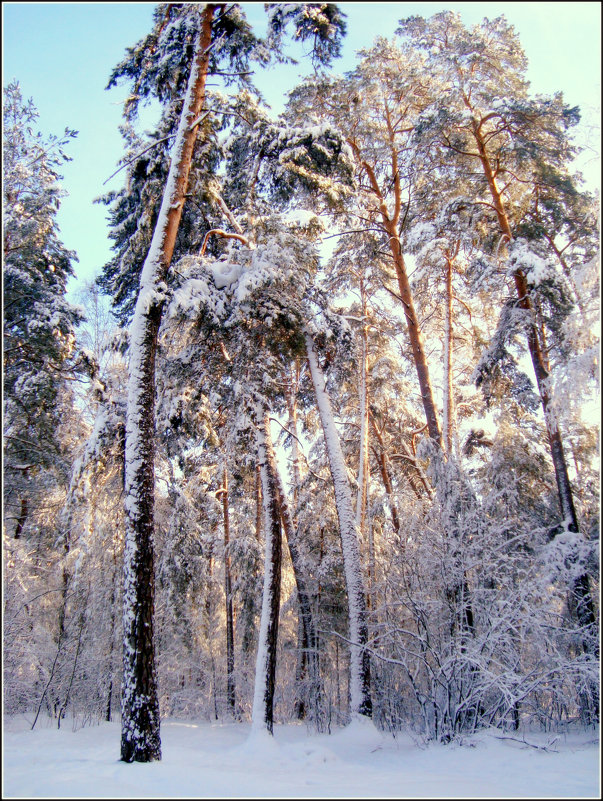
x,y
63,53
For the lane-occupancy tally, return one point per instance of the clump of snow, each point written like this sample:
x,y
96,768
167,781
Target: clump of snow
x,y
536,268
420,234
224,273
361,732
300,217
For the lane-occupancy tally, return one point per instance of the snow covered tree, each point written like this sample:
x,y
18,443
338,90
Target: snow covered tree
x,y
522,149
339,496
360,698
140,710
159,66
42,423
39,323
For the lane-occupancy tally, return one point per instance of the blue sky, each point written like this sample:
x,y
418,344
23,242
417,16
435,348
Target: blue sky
x,y
63,53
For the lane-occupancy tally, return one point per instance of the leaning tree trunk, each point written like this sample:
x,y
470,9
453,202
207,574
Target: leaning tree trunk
x,y
265,673
581,594
360,676
140,738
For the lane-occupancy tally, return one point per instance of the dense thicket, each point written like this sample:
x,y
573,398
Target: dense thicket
x,y
361,342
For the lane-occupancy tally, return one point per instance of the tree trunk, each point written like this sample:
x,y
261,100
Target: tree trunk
x,y
258,503
23,514
448,416
140,738
309,637
290,380
363,451
360,677
416,337
265,673
381,460
390,223
230,662
247,615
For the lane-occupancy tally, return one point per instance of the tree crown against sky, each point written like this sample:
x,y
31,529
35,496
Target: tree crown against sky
x,y
562,49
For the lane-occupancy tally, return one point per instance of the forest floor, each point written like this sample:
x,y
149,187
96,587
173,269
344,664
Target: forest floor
x,y
204,760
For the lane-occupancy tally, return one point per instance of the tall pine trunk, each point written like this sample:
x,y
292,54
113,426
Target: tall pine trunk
x,y
363,410
265,672
140,737
360,676
390,224
415,335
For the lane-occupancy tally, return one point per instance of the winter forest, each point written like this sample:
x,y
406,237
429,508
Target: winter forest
x,y
316,448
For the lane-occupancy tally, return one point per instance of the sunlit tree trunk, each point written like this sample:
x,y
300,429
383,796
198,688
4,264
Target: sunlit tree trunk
x,y
363,451
448,413
391,221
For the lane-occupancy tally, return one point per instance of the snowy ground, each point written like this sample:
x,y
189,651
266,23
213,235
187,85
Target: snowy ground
x,y
201,760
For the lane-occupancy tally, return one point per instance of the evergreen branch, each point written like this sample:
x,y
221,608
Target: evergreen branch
x,y
142,152
354,231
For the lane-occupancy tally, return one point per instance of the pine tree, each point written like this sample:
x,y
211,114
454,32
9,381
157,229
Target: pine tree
x,y
522,148
386,97
140,706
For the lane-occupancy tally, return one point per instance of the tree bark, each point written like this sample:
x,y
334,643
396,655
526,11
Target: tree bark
x,y
416,337
23,514
381,460
360,676
265,673
363,450
230,660
390,223
448,421
140,737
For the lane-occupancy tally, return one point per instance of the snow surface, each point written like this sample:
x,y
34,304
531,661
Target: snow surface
x,y
204,760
